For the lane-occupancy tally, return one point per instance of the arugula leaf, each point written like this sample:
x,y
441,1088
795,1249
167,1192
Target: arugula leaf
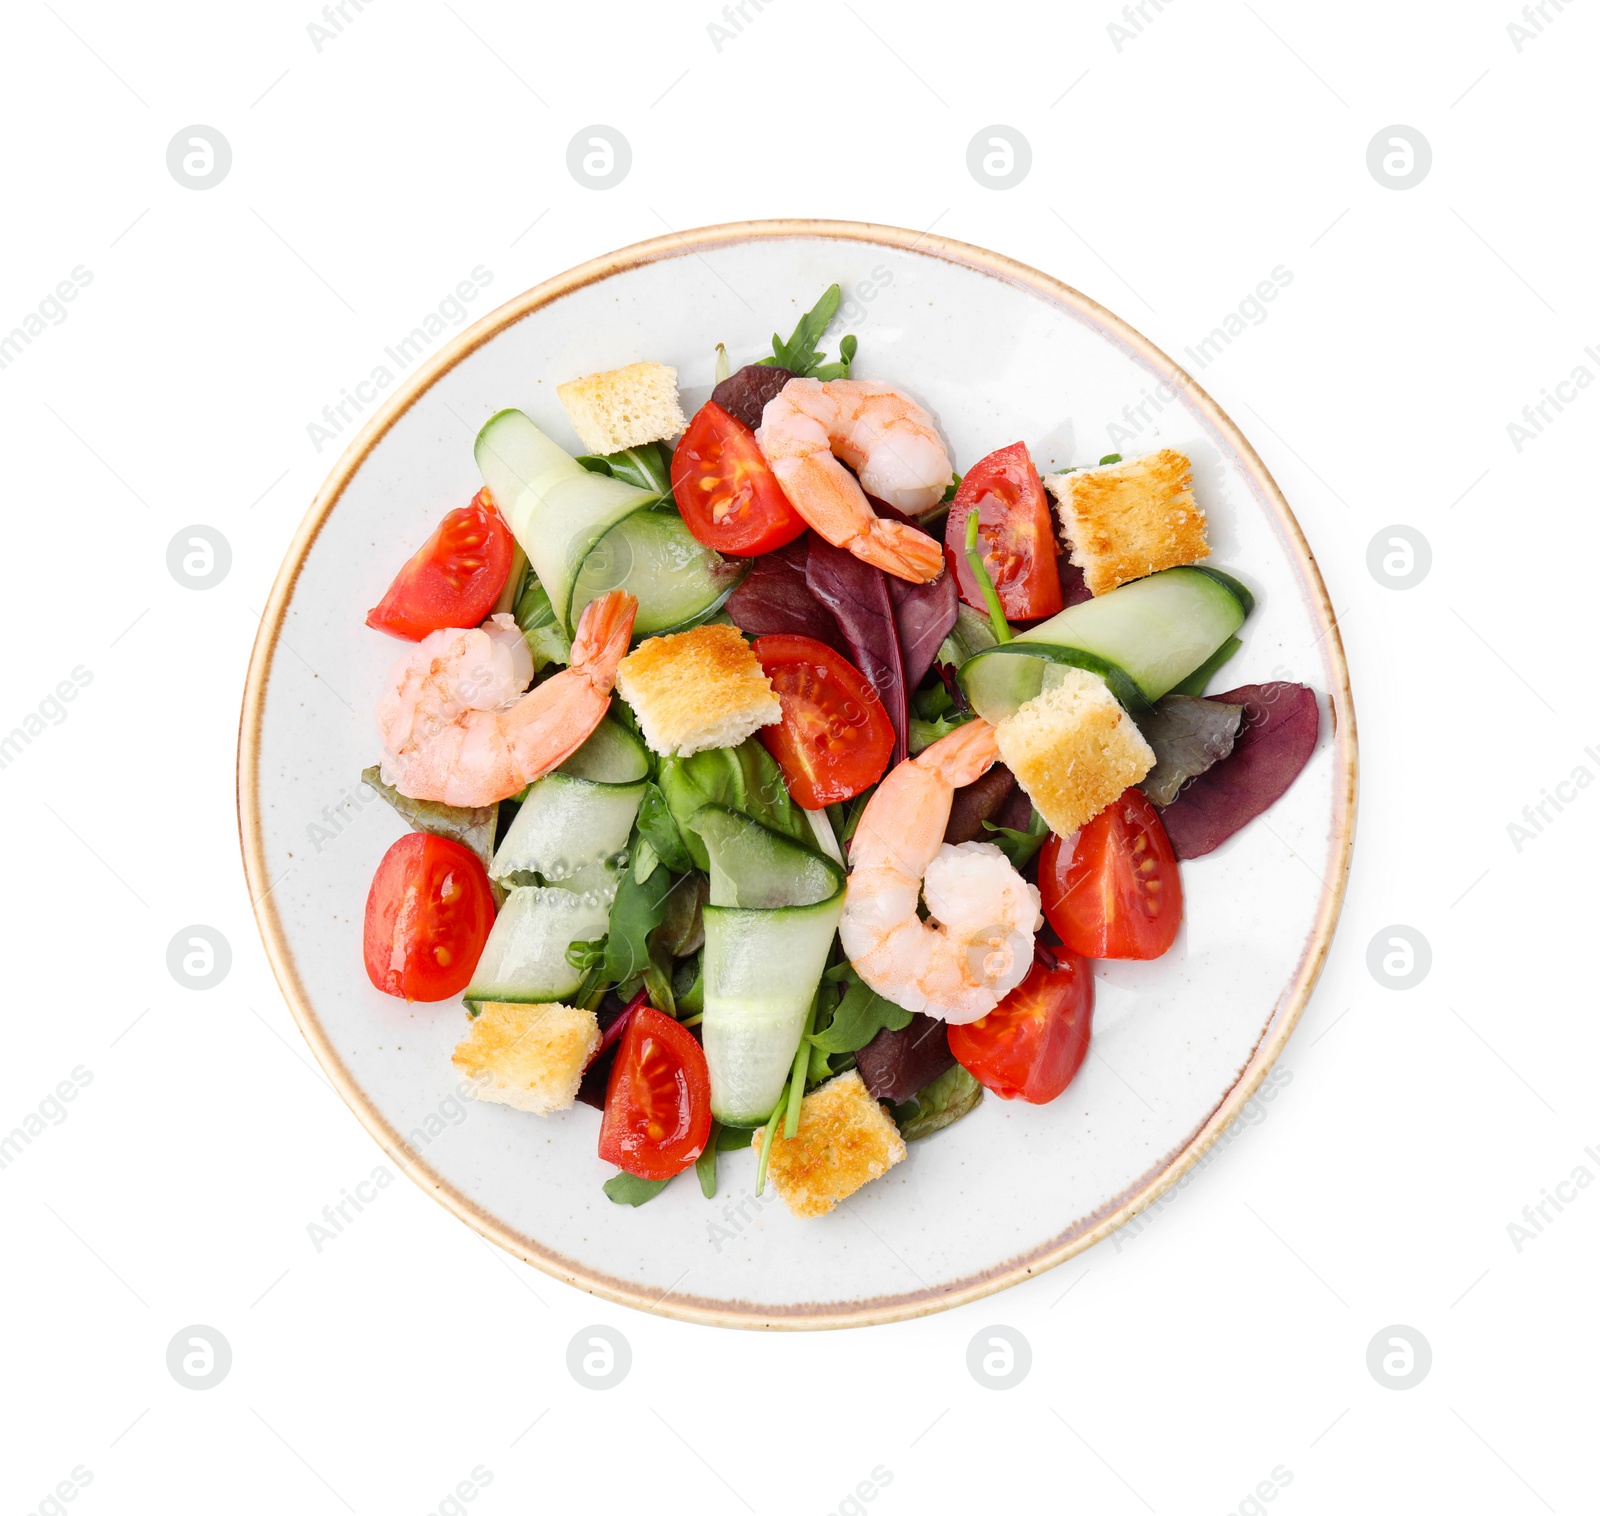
x,y
646,468
924,734
472,827
859,1017
657,827
628,1189
800,354
946,1099
1020,847
744,779
705,1166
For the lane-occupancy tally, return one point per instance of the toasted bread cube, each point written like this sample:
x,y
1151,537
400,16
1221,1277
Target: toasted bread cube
x,y
1126,520
528,1056
1073,749
624,407
844,1139
697,689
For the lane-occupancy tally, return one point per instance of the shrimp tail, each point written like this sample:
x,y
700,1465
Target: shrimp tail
x,y
964,755
900,550
602,638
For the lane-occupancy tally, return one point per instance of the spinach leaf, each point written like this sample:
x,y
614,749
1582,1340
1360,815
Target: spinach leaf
x,y
657,827
1019,847
537,618
948,1098
636,911
628,1189
646,468
472,827
800,354
859,1017
744,779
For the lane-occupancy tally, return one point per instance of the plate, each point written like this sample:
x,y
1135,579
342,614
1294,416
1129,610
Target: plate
x,y
997,351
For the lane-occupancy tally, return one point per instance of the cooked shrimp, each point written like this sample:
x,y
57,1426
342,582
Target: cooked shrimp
x,y
887,438
457,726
978,945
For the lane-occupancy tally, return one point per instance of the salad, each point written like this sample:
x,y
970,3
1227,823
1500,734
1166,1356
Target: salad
x,y
775,788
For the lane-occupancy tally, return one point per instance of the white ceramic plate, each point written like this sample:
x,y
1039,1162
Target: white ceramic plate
x,y
998,352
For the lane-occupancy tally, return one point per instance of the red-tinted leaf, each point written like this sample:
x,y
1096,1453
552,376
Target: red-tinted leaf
x,y
978,802
895,1065
1275,741
774,598
923,613
745,394
858,596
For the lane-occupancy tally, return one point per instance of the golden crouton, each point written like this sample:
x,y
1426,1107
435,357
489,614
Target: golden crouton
x,y
528,1056
697,689
1126,520
1073,749
845,1138
624,407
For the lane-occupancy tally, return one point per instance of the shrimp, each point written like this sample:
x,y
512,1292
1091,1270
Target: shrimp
x,y
887,438
978,946
457,726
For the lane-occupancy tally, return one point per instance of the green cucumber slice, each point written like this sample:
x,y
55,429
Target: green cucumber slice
x,y
761,972
525,958
612,755
758,869
554,506
571,832
775,908
1152,633
652,554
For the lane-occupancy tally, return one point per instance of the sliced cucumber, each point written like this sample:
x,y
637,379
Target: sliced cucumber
x,y
1142,638
525,958
612,755
761,971
653,555
758,869
775,908
554,506
571,832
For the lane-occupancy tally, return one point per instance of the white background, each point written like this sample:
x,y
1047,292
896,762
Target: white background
x,y
1173,1370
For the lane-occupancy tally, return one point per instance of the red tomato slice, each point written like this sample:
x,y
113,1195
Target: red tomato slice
x,y
658,1101
835,737
1119,895
453,579
725,492
1015,531
428,915
1031,1045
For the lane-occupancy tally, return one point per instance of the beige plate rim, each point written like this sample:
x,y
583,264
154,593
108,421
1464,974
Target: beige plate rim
x,y
1085,1232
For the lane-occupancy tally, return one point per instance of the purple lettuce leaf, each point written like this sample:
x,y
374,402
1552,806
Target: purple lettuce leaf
x,y
858,596
775,598
1275,741
744,395
895,1065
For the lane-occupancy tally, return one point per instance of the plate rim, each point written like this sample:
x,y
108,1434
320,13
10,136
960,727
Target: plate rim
x,y
1086,1231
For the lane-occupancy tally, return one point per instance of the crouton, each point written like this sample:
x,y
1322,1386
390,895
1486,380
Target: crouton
x,y
845,1138
1126,520
528,1056
1073,749
697,689
624,407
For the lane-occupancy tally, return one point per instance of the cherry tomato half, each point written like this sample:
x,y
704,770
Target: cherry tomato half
x,y
835,737
1119,895
658,1101
1015,531
428,916
726,494
453,579
1031,1045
